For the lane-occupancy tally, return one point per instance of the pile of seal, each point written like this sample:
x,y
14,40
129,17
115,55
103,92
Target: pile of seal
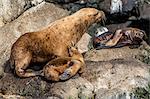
x,y
122,37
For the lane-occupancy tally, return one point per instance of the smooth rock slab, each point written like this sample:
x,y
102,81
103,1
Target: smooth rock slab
x,y
84,43
11,9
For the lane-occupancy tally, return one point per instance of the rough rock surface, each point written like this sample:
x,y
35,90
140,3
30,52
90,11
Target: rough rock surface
x,y
29,87
11,9
115,78
11,97
112,53
78,87
83,44
118,76
33,19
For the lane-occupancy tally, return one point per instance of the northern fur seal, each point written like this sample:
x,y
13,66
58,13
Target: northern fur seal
x,y
51,42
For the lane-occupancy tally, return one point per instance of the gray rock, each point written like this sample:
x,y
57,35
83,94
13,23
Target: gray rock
x,y
116,78
109,54
11,97
113,94
73,88
36,2
1,22
83,43
113,79
144,55
105,5
33,19
11,9
53,97
1,72
145,11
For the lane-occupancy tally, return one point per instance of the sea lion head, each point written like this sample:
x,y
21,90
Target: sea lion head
x,y
139,33
91,14
136,33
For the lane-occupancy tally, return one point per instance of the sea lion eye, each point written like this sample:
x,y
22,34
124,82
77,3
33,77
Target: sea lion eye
x,y
71,64
95,14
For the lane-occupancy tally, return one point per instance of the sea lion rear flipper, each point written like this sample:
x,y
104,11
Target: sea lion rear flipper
x,y
115,39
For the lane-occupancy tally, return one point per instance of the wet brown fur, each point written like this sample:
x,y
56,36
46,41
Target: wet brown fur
x,y
53,69
51,42
132,33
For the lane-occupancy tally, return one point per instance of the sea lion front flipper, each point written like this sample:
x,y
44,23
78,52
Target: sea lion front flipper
x,y
66,75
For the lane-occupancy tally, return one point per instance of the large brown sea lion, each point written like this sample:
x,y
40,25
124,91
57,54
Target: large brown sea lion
x,y
51,42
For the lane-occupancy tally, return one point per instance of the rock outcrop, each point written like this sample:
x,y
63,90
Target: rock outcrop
x,y
111,79
112,53
11,9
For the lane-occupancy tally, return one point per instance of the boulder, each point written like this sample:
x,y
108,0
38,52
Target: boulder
x,y
33,19
116,78
11,97
11,9
84,43
75,88
112,53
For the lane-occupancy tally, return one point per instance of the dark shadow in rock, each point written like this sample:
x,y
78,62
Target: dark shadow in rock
x,y
32,66
7,68
36,66
33,86
122,17
117,18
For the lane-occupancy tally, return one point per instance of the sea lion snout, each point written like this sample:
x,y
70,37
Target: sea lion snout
x,y
100,16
